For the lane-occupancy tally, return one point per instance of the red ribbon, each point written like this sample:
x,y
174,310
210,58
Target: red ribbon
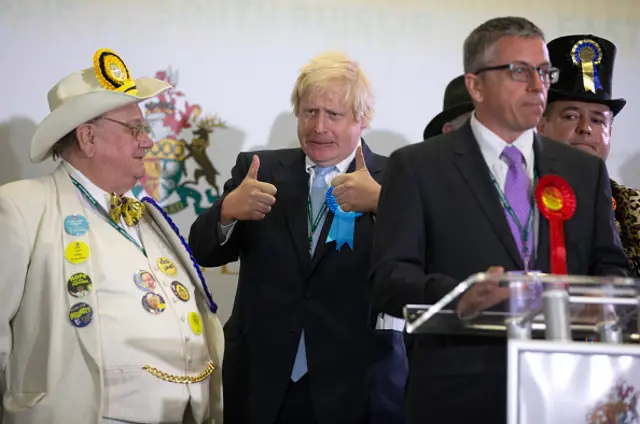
x,y
557,202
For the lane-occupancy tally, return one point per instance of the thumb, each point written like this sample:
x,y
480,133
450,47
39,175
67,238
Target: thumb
x,y
253,169
360,164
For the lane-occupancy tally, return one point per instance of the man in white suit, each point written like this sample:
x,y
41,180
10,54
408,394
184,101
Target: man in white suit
x,y
104,315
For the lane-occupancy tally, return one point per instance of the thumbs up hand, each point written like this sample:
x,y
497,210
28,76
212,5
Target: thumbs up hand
x,y
357,191
251,200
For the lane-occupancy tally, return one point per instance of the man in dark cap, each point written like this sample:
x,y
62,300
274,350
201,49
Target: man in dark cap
x,y
580,112
456,108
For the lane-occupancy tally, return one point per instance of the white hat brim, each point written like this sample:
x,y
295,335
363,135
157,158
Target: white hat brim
x,y
84,107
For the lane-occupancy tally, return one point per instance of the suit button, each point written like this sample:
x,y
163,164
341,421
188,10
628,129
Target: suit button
x,y
307,295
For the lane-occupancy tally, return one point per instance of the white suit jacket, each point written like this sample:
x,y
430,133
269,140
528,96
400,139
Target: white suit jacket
x,y
51,371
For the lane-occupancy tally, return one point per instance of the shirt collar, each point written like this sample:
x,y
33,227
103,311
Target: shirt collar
x,y
491,145
341,166
102,197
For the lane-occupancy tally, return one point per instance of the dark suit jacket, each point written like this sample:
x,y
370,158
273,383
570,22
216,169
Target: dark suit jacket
x,y
281,290
453,225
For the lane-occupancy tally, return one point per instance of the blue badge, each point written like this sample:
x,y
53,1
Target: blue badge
x,y
76,225
81,315
343,224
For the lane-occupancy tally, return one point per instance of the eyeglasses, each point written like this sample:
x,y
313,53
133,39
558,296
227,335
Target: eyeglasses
x,y
523,72
137,131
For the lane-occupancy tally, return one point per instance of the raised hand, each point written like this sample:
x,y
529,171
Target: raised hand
x,y
357,191
251,200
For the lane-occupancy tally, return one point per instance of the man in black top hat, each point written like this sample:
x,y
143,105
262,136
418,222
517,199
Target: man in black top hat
x,y
580,111
456,109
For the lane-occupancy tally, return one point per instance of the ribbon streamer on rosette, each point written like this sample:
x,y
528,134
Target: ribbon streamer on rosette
x,y
556,201
343,225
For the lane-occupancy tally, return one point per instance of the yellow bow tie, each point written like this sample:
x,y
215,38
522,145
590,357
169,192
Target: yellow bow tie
x,y
130,209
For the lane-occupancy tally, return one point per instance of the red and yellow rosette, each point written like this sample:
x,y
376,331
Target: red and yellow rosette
x,y
557,202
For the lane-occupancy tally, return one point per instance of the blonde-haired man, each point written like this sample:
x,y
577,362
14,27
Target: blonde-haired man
x,y
302,340
104,315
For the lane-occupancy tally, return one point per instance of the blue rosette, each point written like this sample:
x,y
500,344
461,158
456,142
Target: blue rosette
x,y
343,225
587,54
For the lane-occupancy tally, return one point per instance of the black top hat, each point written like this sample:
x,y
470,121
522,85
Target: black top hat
x,y
457,101
586,70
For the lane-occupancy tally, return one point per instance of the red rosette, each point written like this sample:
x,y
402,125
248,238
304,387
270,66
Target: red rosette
x,y
556,201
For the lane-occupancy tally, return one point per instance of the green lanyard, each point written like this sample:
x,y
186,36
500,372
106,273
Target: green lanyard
x,y
525,233
314,222
95,204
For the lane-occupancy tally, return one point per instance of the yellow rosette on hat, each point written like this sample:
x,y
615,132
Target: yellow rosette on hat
x,y
87,94
112,73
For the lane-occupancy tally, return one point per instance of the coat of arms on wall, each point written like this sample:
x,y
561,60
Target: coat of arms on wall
x,y
181,135
619,407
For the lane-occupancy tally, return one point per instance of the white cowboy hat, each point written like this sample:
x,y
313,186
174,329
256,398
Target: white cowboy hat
x,y
87,94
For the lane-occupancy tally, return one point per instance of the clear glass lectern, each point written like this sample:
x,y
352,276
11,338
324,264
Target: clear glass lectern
x,y
573,352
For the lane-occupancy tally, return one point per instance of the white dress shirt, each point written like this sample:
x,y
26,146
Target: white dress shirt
x,y
102,198
340,168
491,146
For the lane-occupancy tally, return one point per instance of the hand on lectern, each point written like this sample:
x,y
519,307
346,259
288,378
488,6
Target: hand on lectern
x,y
483,295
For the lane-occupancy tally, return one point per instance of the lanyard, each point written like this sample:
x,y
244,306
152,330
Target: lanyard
x,y
314,222
95,204
525,233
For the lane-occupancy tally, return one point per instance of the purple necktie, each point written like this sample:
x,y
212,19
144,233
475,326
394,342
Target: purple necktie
x,y
517,190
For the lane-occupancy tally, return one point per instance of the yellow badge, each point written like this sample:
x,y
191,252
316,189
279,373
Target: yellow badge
x,y
180,291
167,267
195,323
552,198
112,73
76,252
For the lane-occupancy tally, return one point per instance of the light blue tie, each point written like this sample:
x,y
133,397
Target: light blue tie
x,y
318,192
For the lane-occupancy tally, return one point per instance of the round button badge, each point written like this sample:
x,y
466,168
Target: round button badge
x,y
81,315
167,267
145,281
79,284
180,291
195,323
76,225
76,252
153,303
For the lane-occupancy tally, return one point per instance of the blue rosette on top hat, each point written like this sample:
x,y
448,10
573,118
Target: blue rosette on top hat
x,y
587,54
343,225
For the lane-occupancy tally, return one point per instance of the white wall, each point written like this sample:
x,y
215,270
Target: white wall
x,y
240,58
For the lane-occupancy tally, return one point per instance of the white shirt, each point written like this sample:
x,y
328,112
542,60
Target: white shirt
x,y
491,147
102,198
340,168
